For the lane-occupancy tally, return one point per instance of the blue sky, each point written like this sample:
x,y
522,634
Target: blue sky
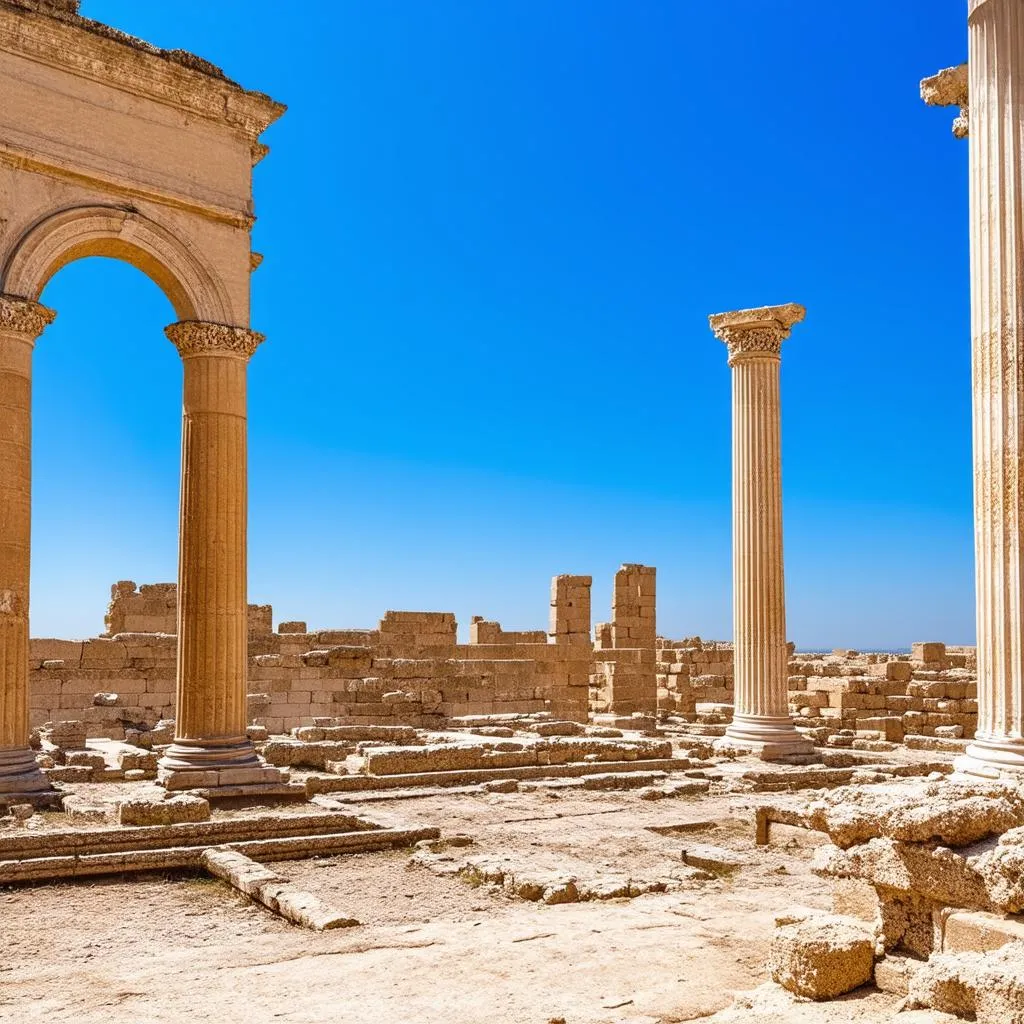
x,y
493,233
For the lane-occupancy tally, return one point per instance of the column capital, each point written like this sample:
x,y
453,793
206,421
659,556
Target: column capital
x,y
23,316
197,337
758,331
950,88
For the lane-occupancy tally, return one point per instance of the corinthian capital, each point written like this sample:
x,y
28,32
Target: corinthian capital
x,y
23,316
756,331
950,88
195,337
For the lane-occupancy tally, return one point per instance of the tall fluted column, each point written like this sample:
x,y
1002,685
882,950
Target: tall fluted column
x,y
21,322
211,747
996,96
761,721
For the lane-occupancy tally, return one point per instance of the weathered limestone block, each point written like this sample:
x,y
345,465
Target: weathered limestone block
x,y
822,956
151,608
292,753
986,987
357,733
566,751
893,973
137,760
260,619
975,931
947,812
79,810
936,874
273,891
1002,871
175,810
446,758
69,735
85,759
556,728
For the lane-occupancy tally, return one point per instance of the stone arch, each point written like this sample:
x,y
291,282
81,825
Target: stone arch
x,y
120,233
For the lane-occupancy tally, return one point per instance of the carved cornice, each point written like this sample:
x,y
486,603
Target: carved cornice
x,y
97,51
195,338
756,331
22,316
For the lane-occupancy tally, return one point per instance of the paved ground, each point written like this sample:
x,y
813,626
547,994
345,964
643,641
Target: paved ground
x,y
433,948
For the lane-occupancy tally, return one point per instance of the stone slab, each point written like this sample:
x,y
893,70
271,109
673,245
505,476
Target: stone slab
x,y
356,783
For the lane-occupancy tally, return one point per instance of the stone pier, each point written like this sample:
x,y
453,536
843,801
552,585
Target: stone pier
x,y
211,748
569,628
625,670
996,143
761,721
21,322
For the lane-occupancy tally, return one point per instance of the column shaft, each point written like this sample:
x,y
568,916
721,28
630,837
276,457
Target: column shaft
x,y
761,721
996,69
212,607
20,324
759,613
212,715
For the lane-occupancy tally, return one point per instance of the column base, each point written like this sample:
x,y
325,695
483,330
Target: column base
x,y
992,759
770,739
214,764
21,777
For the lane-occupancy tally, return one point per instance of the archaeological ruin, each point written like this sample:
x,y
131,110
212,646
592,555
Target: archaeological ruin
x,y
207,814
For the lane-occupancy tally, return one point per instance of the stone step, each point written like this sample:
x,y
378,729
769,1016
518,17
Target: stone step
x,y
178,858
356,783
80,842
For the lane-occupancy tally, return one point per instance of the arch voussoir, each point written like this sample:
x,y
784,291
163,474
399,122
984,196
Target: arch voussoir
x,y
119,233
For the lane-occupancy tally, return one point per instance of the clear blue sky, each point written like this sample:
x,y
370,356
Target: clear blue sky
x,y
493,234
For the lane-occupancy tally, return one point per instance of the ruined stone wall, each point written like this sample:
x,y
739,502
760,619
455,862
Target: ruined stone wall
x,y
932,692
409,671
691,672
624,677
151,608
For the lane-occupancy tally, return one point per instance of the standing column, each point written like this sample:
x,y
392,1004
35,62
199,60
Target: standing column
x,y
996,96
210,746
761,721
21,322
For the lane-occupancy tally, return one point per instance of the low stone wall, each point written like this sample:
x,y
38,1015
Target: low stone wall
x,y
692,672
932,691
411,671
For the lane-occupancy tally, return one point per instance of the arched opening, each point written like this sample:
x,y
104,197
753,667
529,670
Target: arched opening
x,y
106,445
194,291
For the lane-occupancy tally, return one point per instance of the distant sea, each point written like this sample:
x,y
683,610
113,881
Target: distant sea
x,y
861,650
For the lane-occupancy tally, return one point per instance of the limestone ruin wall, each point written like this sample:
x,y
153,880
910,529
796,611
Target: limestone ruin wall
x,y
411,670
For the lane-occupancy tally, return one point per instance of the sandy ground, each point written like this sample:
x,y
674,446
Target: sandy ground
x,y
435,949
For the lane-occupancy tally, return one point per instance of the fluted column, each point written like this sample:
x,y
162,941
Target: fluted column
x,y
761,721
21,322
996,96
211,747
